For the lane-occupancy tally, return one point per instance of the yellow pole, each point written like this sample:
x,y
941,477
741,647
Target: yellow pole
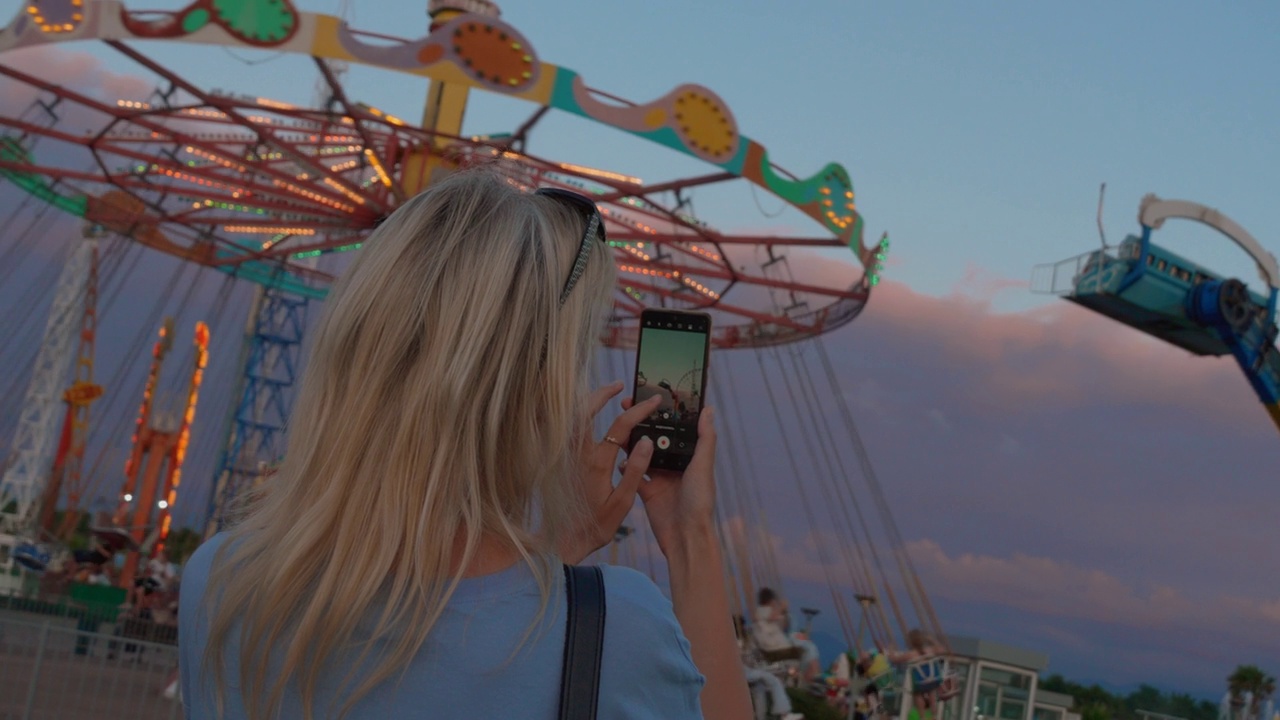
x,y
445,107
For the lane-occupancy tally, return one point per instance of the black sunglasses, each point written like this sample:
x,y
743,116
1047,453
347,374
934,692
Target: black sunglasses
x,y
595,226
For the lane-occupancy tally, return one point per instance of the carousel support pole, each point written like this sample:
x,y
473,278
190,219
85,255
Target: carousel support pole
x,y
445,107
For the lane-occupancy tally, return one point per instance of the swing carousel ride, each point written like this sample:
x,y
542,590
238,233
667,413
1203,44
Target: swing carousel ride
x,y
270,196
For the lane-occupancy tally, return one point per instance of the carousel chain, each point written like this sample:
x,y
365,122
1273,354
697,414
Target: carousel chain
x,y
807,506
822,479
828,440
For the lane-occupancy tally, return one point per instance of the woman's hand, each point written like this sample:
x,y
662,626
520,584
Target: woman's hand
x,y
609,505
681,505
681,510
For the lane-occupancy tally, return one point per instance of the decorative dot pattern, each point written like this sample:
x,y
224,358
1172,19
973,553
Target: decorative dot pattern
x,y
260,22
56,16
491,56
703,123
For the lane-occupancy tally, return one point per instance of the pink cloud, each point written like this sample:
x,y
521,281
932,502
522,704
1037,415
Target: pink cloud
x,y
77,70
1060,355
983,286
1062,589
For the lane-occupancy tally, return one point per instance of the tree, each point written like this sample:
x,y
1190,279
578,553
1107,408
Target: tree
x,y
1250,679
1094,702
181,543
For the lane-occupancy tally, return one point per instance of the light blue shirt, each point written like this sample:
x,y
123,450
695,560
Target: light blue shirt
x,y
466,669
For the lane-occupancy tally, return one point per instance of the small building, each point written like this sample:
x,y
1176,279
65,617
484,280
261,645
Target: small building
x,y
999,682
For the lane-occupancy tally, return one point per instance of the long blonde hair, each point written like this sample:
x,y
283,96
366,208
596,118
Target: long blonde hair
x,y
444,399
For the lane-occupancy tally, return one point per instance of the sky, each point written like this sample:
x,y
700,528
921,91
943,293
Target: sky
x,y
1062,483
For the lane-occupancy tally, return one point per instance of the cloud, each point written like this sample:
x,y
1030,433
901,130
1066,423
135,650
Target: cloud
x,y
983,286
1166,620
78,71
1083,489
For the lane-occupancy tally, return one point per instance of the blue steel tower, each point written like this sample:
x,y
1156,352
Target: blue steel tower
x,y
273,346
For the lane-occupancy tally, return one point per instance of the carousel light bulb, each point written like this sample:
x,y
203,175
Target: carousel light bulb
x,y
128,497
162,504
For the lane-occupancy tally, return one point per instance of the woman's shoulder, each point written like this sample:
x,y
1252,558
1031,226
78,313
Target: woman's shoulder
x,y
195,575
198,566
636,612
648,669
632,587
633,594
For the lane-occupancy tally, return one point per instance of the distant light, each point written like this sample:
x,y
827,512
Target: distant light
x,y
128,497
162,504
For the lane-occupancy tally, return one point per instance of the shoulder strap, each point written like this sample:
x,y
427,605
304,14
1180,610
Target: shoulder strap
x,y
584,643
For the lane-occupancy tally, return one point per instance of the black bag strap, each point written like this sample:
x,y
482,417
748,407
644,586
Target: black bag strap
x,y
583,644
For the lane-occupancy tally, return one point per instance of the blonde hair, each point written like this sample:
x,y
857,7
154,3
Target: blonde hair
x,y
444,399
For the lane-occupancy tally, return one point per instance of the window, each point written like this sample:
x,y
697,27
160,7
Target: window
x,y
1004,694
953,709
1012,709
1045,713
988,700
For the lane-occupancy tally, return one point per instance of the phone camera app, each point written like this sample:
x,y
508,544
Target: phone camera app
x,y
671,367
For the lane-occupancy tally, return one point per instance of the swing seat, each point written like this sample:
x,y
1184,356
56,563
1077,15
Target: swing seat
x,y
934,675
114,539
880,673
33,557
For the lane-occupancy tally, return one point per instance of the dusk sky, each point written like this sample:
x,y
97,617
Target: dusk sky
x,y
1062,483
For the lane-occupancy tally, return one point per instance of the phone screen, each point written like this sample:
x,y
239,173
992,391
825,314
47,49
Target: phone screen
x,y
671,362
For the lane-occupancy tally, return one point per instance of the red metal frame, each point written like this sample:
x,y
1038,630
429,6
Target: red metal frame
x,y
302,180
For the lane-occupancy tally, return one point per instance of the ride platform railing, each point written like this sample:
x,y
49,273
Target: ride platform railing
x,y
51,670
1061,278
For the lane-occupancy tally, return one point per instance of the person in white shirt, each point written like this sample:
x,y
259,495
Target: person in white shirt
x,y
778,704
160,569
774,643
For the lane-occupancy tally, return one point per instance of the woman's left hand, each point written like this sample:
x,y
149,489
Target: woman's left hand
x,y
609,504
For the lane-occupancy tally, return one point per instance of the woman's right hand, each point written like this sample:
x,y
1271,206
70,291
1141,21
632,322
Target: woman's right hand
x,y
681,505
681,510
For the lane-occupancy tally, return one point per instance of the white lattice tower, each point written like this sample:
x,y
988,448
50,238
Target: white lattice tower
x,y
36,438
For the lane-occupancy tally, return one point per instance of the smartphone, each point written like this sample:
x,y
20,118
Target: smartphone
x,y
671,362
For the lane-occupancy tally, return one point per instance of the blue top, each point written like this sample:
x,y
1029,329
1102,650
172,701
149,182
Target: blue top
x,y
466,668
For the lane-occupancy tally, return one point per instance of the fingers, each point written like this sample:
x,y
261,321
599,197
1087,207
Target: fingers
x,y
704,455
621,429
614,509
601,396
634,468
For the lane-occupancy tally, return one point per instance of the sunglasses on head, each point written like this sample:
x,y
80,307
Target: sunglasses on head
x,y
595,227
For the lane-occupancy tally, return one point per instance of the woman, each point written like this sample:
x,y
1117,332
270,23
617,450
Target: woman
x,y
405,561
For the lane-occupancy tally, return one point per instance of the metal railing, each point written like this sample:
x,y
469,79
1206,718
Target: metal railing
x,y
1060,278
53,668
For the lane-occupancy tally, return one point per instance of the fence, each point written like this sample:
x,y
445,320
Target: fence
x,y
1060,278
54,667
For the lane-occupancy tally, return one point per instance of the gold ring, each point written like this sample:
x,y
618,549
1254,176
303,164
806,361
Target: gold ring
x,y
610,439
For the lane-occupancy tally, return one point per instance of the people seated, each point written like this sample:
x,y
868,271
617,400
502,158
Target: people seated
x,y
925,659
776,704
876,671
928,671
834,687
774,642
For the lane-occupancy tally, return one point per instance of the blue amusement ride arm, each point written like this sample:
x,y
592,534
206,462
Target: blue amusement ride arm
x,y
1247,328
